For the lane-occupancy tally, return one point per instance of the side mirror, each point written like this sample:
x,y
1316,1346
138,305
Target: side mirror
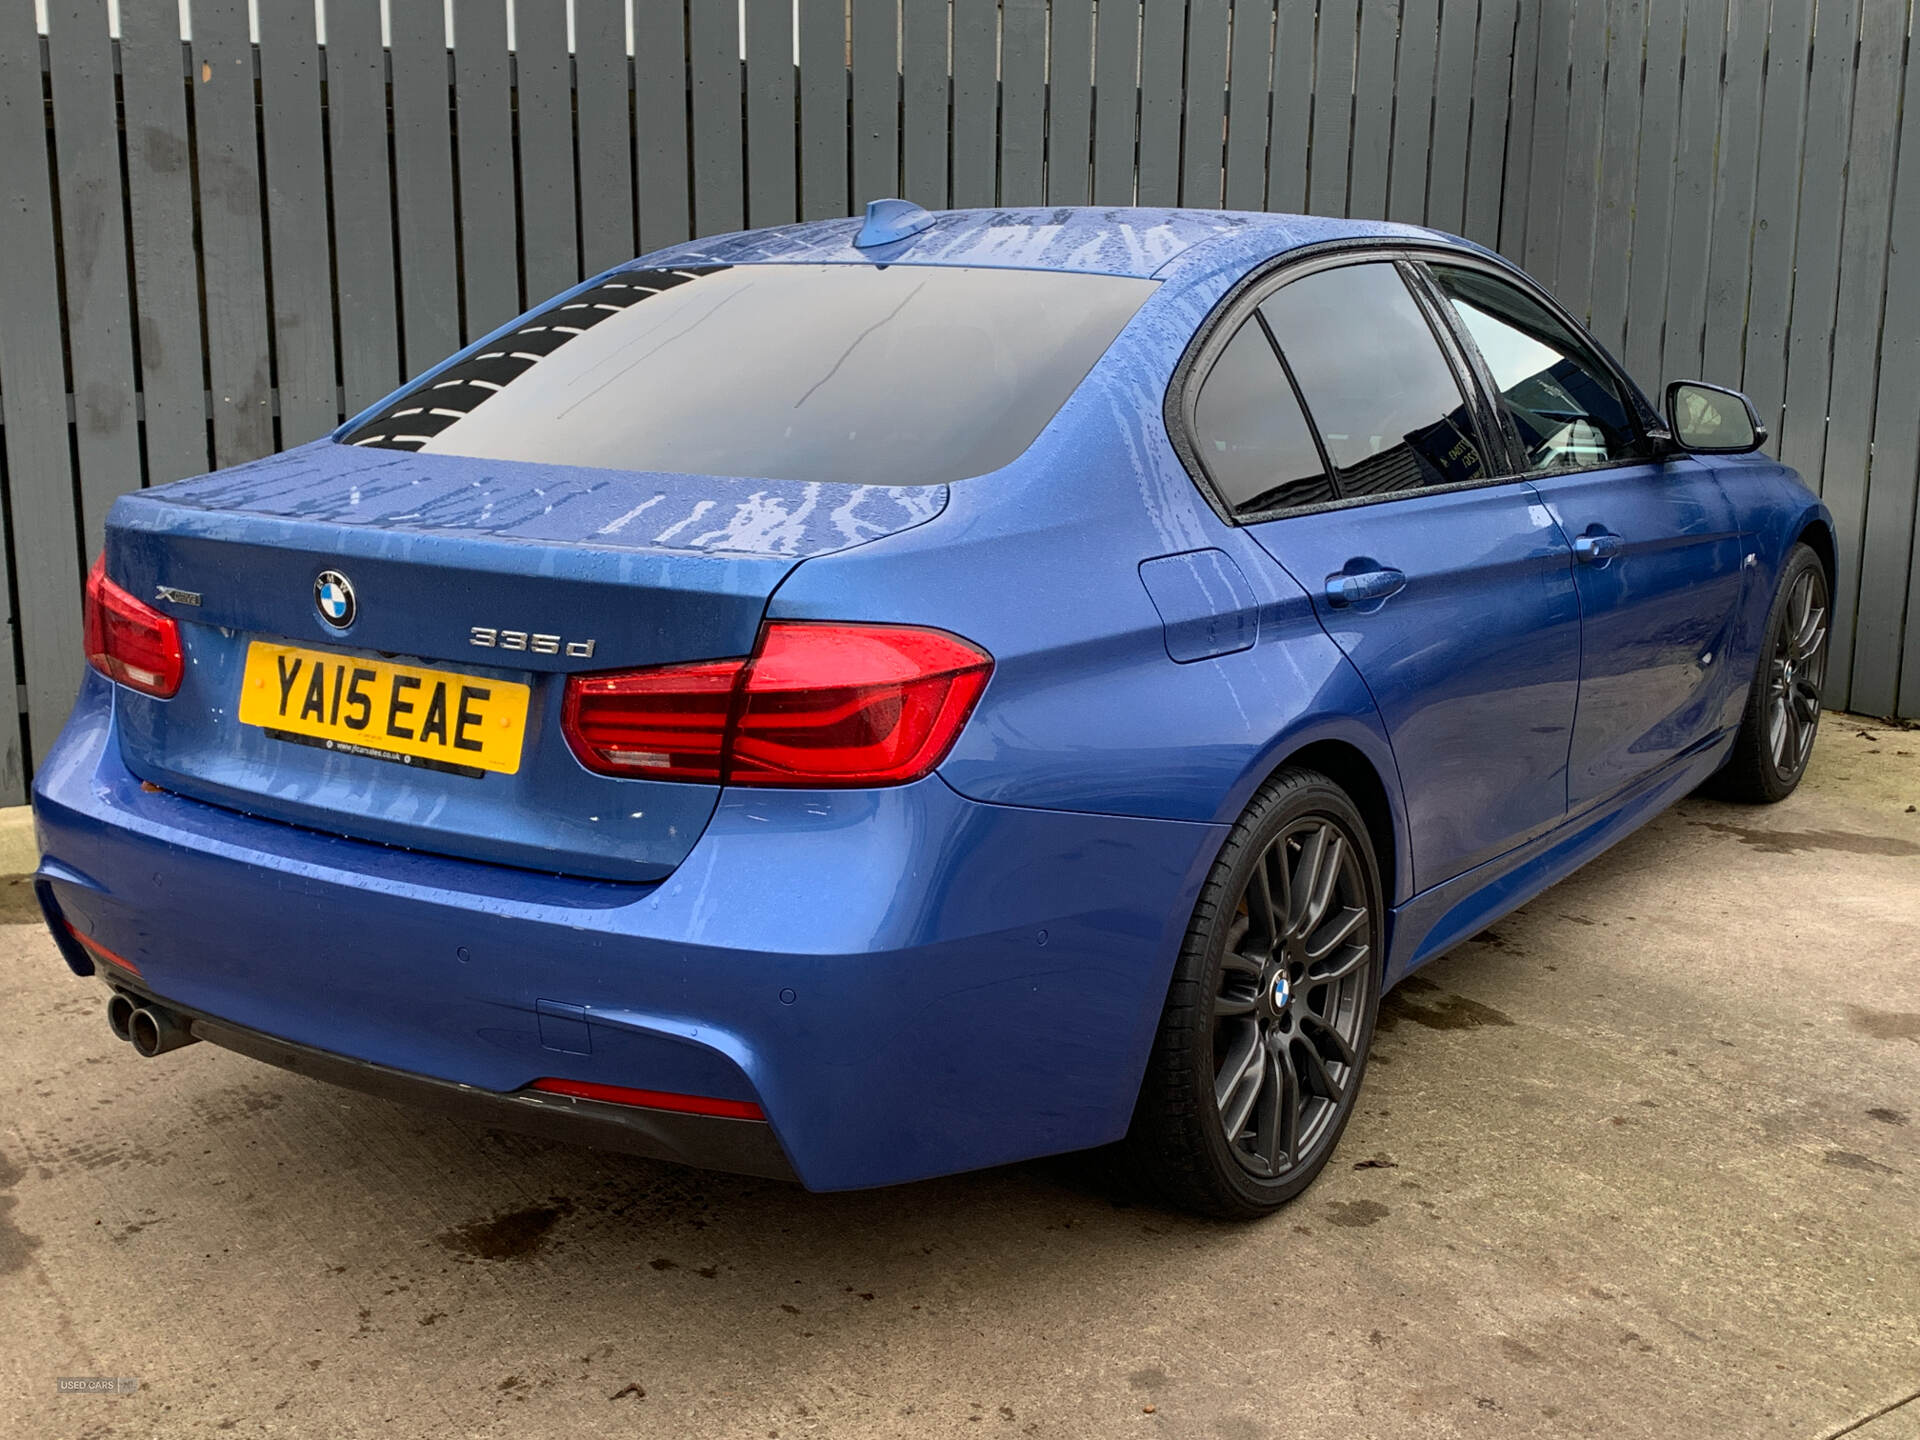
x,y
1712,420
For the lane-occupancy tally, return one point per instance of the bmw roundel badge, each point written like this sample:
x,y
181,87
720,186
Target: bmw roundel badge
x,y
333,597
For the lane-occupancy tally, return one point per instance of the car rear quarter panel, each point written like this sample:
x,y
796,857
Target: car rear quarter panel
x,y
1040,564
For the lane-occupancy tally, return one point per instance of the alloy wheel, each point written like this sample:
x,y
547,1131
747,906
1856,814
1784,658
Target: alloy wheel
x,y
1291,998
1796,671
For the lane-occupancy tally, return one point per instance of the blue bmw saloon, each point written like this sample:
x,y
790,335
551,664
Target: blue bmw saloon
x,y
864,700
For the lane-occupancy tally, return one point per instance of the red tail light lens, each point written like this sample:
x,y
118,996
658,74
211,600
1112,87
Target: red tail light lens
x,y
817,705
129,642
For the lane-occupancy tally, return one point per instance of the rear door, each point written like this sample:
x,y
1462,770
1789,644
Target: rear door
x,y
1360,465
1657,548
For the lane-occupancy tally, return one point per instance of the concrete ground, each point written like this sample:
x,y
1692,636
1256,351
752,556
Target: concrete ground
x,y
1644,1159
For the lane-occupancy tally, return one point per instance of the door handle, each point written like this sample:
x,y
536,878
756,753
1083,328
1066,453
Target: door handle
x,y
1344,590
1596,548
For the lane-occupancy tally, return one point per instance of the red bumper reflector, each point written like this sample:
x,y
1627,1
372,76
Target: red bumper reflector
x,y
651,1099
100,952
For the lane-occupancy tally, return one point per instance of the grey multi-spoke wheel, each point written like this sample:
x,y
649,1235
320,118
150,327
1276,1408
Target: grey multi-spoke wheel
x,y
1271,1010
1796,670
1777,730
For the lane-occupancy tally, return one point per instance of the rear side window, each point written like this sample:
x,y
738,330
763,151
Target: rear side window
x,y
1375,381
875,375
1563,401
1253,439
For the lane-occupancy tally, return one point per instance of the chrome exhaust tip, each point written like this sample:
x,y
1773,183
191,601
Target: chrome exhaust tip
x,y
120,1016
154,1030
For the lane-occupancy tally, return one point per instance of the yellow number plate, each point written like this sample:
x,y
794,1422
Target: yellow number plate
x,y
437,719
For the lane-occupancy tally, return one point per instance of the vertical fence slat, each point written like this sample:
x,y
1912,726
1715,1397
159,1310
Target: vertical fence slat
x,y
923,102
489,251
543,91
1803,346
1373,107
1619,150
1516,169
602,98
166,271
1493,75
713,53
1778,198
296,179
1653,196
823,109
1249,74
772,184
1332,107
1202,158
1832,398
876,98
1733,198
660,123
93,221
1580,171
1548,127
362,204
1116,57
976,42
1452,113
1293,45
1023,98
232,257
1689,250
1070,105
33,404
423,187
1163,28
1413,111
1882,684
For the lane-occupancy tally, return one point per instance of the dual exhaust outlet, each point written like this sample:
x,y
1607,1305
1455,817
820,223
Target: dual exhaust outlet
x,y
151,1029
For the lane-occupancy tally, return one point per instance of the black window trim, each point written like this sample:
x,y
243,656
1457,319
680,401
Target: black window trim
x,y
1226,317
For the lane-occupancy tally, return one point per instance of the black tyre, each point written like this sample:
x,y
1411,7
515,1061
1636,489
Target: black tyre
x,y
1777,729
1264,1039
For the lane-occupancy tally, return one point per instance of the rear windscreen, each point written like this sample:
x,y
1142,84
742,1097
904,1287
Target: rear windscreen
x,y
894,375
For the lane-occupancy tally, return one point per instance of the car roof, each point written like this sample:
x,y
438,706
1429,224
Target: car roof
x,y
1137,241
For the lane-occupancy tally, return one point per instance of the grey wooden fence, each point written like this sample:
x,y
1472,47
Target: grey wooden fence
x,y
216,247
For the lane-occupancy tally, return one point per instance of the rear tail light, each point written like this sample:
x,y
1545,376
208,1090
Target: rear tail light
x,y
816,705
129,642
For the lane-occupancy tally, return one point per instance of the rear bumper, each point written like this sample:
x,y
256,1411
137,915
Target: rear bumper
x,y
907,983
711,1142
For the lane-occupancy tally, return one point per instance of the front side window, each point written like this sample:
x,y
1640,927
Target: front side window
x,y
1375,381
864,374
1250,433
1564,402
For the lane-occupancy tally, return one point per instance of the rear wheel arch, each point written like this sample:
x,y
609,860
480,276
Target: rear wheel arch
x,y
1349,767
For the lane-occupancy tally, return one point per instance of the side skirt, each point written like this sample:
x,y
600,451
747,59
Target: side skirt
x,y
1436,920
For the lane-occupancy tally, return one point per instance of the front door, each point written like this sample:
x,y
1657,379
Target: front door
x,y
1658,555
1658,567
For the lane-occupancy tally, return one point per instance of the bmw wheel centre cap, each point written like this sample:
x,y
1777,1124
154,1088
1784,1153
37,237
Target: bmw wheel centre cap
x,y
333,597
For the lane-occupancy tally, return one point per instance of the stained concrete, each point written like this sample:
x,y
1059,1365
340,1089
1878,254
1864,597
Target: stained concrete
x,y
1642,1160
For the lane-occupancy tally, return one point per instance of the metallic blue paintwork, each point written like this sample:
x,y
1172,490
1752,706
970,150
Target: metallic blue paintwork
x,y
692,559
1483,641
977,960
967,987
1654,617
